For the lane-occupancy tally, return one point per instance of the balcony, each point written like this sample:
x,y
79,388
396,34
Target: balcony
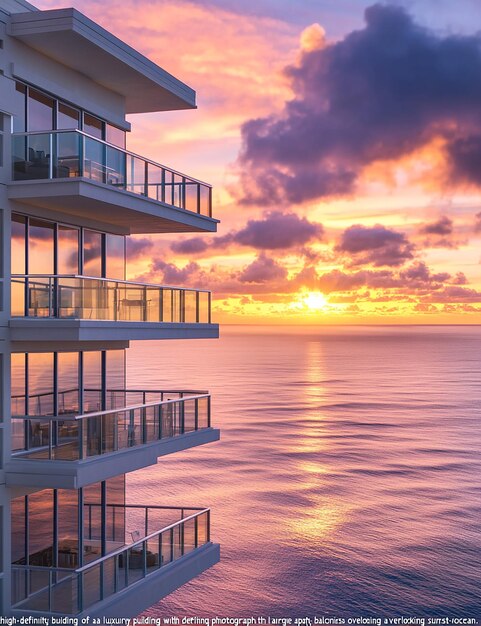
x,y
84,308
146,559
69,450
79,175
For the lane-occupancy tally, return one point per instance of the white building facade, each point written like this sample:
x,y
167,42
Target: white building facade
x,y
70,428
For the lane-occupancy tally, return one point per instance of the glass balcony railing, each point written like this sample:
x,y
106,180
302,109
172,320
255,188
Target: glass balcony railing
x,y
68,591
70,437
74,154
86,297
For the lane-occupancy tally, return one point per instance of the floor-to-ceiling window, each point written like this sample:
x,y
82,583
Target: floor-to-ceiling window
x,y
46,530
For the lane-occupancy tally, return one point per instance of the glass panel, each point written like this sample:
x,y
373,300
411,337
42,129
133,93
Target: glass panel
x,y
91,586
67,146
115,256
18,244
135,559
68,383
205,208
36,158
40,383
40,530
135,175
189,536
18,402
189,415
115,135
115,377
67,117
190,307
93,126
203,413
155,182
204,313
202,529
94,160
191,200
67,250
19,106
68,555
64,593
92,522
40,111
92,377
40,247
115,514
18,530
92,253
115,167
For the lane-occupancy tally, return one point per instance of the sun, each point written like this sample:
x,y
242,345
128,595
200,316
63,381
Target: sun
x,y
314,300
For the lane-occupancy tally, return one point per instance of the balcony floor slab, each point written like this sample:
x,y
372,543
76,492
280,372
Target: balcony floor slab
x,y
27,329
114,209
57,474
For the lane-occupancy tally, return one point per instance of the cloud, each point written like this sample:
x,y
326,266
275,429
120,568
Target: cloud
x,y
262,270
376,245
138,247
378,94
274,231
442,226
477,223
172,275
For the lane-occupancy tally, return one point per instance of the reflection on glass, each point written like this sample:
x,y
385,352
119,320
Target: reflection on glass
x,y
67,250
40,111
115,256
18,530
40,383
67,117
67,528
18,244
41,247
93,126
17,368
92,253
40,528
92,377
92,531
68,383
115,136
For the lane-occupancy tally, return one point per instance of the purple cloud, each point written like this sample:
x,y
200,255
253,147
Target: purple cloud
x,y
376,245
442,226
378,94
262,270
274,231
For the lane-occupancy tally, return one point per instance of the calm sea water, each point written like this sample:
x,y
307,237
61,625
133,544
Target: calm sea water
x,y
348,478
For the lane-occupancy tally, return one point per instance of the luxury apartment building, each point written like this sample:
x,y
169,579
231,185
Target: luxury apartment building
x,y
70,428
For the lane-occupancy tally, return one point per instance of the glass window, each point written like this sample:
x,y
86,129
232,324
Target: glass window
x,y
40,247
93,126
67,117
40,528
115,515
115,136
18,384
68,383
18,530
18,244
40,383
19,106
40,111
115,256
67,250
115,379
92,534
92,377
67,528
92,253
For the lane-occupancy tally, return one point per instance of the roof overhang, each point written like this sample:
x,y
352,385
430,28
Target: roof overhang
x,y
69,37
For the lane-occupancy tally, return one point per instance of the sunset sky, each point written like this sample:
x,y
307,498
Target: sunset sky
x,y
343,140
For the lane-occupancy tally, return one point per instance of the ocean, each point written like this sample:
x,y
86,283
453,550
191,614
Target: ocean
x,y
347,482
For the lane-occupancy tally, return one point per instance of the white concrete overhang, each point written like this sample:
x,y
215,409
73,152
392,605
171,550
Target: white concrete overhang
x,y
125,212
72,39
49,329
57,474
